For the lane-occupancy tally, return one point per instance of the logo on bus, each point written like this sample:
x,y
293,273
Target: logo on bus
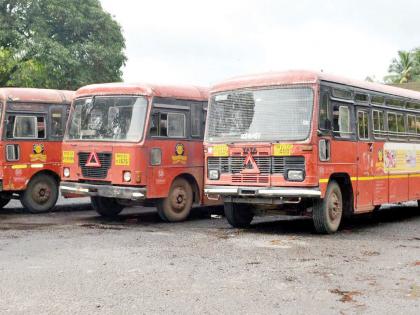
x,y
38,153
93,160
250,166
179,156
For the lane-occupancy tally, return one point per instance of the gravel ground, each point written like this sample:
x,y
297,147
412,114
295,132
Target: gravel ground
x,y
73,262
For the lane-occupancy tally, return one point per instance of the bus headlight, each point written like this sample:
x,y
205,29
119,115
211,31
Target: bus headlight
x,y
127,176
214,174
295,175
66,172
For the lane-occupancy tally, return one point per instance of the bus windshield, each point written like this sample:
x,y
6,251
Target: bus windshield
x,y
260,115
111,118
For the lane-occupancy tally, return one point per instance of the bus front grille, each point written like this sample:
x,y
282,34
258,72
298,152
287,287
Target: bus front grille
x,y
266,165
100,172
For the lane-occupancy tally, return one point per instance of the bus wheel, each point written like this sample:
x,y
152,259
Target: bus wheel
x,y
238,215
41,194
3,202
177,206
327,212
106,207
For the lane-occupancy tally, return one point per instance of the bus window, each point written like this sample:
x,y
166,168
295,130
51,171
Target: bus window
x,y
57,127
378,123
361,98
170,125
377,99
25,127
400,123
363,125
176,125
411,120
418,124
341,121
196,112
163,125
323,112
392,122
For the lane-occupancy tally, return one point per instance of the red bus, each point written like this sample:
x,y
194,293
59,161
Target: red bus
x,y
32,128
143,143
311,144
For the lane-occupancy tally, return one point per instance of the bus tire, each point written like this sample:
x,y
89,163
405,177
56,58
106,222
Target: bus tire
x,y
106,207
328,212
177,206
41,194
4,202
238,215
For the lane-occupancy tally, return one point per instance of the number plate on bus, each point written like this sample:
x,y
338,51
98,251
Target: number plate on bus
x,y
122,159
220,150
68,157
283,149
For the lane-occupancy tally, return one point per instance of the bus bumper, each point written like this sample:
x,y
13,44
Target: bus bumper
x,y
109,191
262,192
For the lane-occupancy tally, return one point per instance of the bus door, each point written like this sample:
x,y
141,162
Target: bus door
x,y
25,135
365,168
169,142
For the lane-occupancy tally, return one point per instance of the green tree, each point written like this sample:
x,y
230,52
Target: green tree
x,y
62,44
401,68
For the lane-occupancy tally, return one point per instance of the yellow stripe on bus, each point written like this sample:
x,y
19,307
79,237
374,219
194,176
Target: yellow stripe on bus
x,y
19,166
365,178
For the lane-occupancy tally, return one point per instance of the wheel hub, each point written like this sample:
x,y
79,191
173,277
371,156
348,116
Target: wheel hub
x,y
41,193
334,207
179,199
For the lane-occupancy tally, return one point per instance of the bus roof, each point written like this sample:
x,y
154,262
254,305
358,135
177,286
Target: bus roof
x,y
306,77
36,95
187,92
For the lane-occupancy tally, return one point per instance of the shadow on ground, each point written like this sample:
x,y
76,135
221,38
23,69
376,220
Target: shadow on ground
x,y
358,223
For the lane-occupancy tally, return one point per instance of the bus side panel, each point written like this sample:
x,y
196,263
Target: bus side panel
x,y
178,157
343,160
398,188
33,157
399,160
381,186
414,187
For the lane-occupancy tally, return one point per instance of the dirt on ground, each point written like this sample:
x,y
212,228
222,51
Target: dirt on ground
x,y
72,261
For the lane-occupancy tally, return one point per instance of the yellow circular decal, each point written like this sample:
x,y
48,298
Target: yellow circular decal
x,y
38,148
179,150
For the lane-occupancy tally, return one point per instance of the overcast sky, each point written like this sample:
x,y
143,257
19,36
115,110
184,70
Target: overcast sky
x,y
203,42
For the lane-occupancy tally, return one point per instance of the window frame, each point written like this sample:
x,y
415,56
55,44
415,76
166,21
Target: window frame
x,y
184,123
35,117
197,108
64,116
337,134
408,125
378,133
367,126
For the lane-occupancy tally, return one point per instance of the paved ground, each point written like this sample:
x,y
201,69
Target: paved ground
x,y
73,262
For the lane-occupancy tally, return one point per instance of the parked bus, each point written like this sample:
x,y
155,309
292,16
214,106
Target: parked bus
x,y
32,126
311,144
143,143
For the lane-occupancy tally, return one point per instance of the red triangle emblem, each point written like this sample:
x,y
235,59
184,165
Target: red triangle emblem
x,y
251,166
93,160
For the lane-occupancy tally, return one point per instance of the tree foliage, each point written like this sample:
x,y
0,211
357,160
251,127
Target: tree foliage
x,y
62,44
405,68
